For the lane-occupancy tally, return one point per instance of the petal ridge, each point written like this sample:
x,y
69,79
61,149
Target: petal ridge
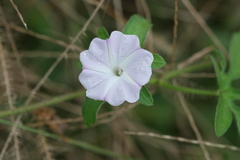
x,y
98,92
90,79
126,76
115,96
131,90
98,49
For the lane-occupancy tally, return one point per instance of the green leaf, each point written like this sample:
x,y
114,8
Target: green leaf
x,y
223,117
228,93
235,55
79,65
145,97
158,61
139,26
103,33
221,76
223,61
90,109
216,67
236,111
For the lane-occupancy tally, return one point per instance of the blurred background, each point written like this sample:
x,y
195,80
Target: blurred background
x,y
53,24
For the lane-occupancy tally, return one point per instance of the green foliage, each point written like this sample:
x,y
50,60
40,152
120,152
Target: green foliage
x,y
139,26
79,65
223,118
158,61
145,97
228,94
90,109
235,56
103,33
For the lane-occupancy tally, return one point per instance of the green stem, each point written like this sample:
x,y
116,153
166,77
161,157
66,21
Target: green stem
x,y
192,68
189,90
42,104
163,81
80,144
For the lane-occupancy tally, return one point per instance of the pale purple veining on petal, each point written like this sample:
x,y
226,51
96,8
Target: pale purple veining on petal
x,y
100,91
138,66
89,61
91,78
98,48
130,88
122,45
114,70
115,95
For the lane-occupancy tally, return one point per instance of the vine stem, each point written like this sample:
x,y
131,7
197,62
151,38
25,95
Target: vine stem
x,y
163,81
192,68
189,90
78,143
42,104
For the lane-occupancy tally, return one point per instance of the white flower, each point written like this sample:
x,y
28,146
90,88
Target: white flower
x,y
115,69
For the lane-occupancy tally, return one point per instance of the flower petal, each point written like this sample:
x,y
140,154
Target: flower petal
x,y
120,45
138,66
115,95
99,91
92,63
140,57
131,89
99,49
140,75
90,78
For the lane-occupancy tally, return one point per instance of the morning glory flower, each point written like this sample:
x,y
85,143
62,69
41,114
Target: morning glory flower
x,y
115,69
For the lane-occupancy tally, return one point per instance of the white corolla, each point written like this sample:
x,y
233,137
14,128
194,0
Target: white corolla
x,y
115,69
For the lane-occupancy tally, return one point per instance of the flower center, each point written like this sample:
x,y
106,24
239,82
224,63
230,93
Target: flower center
x,y
119,72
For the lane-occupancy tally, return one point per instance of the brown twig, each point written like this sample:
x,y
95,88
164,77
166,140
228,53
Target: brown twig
x,y
19,14
107,10
44,54
174,44
148,17
196,56
118,14
43,37
193,124
205,27
73,14
181,139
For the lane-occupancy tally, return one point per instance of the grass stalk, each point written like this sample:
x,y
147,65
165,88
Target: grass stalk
x,y
42,104
75,142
